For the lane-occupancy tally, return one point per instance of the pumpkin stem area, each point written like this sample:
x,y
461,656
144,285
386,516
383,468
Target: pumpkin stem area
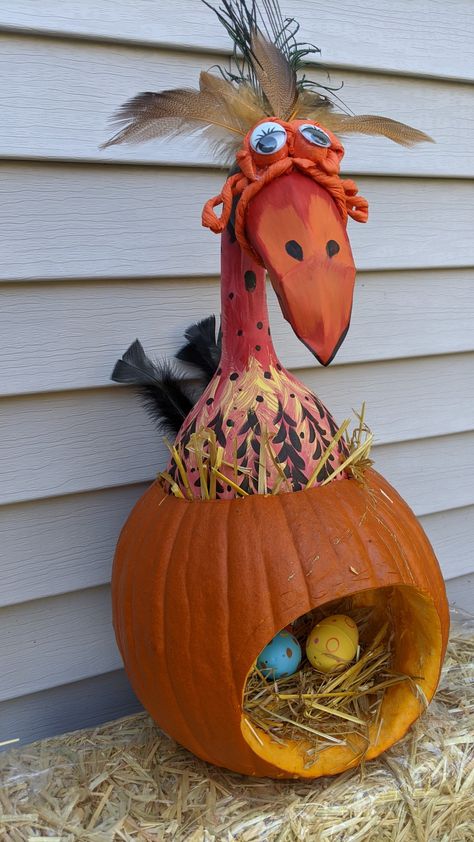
x,y
317,722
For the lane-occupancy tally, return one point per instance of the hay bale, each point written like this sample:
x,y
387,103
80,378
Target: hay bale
x,y
128,781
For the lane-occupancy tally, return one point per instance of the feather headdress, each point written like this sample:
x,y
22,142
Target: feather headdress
x,y
263,80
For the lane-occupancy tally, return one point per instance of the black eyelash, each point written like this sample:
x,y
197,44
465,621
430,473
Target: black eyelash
x,y
274,130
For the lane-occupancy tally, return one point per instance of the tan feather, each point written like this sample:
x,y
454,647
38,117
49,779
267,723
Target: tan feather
x,y
150,115
384,126
276,76
242,101
370,124
313,106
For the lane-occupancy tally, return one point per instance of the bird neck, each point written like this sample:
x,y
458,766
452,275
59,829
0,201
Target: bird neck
x,y
244,313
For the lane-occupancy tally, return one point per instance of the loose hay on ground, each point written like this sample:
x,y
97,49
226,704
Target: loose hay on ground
x,y
127,781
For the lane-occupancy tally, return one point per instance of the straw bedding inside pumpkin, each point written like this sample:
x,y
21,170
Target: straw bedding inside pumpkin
x,y
319,710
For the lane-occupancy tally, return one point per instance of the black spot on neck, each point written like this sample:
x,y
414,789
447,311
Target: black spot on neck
x,y
332,248
250,280
235,201
294,249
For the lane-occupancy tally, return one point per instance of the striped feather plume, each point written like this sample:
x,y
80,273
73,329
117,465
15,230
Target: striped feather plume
x,y
217,105
310,107
261,81
276,76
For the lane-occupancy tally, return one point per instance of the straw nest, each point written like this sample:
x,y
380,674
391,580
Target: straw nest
x,y
319,710
127,781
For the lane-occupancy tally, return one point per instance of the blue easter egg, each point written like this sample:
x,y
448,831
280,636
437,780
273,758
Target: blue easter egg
x,y
281,657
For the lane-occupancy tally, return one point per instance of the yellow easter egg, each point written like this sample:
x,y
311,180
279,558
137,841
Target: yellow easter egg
x,y
332,643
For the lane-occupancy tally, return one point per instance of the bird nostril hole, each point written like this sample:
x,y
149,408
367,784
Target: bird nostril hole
x,y
332,248
294,249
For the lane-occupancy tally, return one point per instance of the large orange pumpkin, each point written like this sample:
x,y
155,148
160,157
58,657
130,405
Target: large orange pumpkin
x,y
199,588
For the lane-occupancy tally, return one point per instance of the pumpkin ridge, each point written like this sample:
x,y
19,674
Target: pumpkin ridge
x,y
186,632
158,562
176,560
218,577
230,659
384,516
355,529
415,536
301,565
126,537
128,586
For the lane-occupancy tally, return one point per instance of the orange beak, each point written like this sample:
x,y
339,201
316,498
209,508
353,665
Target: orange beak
x,y
294,225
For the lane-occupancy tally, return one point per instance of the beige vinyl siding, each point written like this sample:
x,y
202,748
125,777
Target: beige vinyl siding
x,y
102,76
74,331
81,221
422,37
98,247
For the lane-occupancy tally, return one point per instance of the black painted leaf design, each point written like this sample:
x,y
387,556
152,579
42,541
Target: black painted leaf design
x,y
280,436
242,450
216,425
282,456
295,458
250,424
295,439
255,445
332,424
319,406
289,419
299,476
278,417
245,484
318,452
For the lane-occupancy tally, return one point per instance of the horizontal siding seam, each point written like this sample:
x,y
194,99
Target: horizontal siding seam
x,y
82,279
92,674
175,47
27,394
190,165
113,280
51,495
95,163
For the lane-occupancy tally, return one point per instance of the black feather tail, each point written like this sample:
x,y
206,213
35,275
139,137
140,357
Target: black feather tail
x,y
202,349
160,386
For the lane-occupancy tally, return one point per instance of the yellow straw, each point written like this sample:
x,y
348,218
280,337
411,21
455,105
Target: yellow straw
x,y
328,452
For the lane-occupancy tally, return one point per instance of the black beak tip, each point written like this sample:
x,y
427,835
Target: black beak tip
x,y
325,363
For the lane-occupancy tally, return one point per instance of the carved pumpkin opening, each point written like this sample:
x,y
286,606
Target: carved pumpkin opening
x,y
415,639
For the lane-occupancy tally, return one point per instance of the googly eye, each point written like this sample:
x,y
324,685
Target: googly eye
x,y
315,135
268,138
